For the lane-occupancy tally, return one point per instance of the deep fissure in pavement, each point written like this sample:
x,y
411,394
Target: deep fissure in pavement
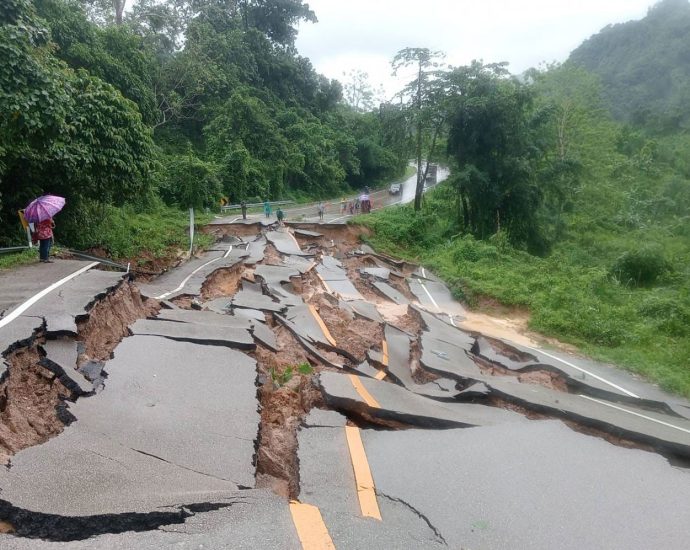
x,y
33,393
53,527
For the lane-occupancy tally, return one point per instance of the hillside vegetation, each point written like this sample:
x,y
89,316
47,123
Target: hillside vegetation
x,y
644,67
555,207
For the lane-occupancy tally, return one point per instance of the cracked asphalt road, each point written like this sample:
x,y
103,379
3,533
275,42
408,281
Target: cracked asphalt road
x,y
200,424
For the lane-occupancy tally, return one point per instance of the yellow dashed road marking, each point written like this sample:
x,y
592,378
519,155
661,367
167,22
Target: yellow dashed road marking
x,y
323,326
363,392
363,479
311,530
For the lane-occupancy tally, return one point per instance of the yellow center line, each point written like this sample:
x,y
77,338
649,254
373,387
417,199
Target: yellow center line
x,y
311,530
380,375
384,347
366,492
363,392
324,283
323,326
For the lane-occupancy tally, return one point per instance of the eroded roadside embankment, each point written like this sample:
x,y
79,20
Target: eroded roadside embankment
x,y
36,387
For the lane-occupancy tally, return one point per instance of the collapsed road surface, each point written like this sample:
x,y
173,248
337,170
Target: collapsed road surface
x,y
292,388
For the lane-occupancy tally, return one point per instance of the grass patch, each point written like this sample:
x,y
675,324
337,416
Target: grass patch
x,y
573,294
9,260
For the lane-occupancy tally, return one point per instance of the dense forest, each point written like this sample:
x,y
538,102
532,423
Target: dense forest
x,y
173,103
644,67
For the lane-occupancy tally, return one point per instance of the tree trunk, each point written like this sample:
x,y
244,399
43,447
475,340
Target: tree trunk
x,y
119,7
420,182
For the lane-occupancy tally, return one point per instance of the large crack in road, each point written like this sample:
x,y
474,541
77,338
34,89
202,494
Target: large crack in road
x,y
276,329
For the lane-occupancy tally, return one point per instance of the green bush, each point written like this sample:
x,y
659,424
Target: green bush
x,y
640,267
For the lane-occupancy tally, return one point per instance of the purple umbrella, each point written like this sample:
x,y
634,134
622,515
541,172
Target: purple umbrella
x,y
43,208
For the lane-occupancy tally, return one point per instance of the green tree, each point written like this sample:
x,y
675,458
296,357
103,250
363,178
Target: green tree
x,y
424,95
493,139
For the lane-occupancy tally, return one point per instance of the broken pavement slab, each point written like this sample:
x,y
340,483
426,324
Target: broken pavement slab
x,y
381,273
138,444
275,274
285,243
391,293
398,366
238,338
531,486
327,481
393,403
435,297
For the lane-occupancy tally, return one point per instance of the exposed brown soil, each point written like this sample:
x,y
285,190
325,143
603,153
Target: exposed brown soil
x,y
222,282
238,230
30,399
539,377
272,256
356,336
419,373
613,439
347,234
183,301
107,321
283,408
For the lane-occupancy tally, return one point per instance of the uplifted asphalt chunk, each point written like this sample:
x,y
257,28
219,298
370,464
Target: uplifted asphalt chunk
x,y
365,309
256,249
213,335
204,318
391,293
275,274
264,336
285,243
303,318
435,296
61,359
394,403
253,300
511,359
382,273
447,360
398,344
305,233
662,431
441,328
305,343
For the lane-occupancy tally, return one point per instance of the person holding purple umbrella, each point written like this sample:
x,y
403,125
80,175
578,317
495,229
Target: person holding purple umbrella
x,y
44,234
41,211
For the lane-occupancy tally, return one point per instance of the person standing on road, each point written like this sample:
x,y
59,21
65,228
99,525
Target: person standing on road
x,y
342,205
44,235
280,215
267,208
322,210
243,206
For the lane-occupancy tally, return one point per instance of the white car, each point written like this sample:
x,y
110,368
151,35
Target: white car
x,y
394,189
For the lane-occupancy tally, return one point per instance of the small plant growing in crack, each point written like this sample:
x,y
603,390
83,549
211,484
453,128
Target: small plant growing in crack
x,y
282,378
305,369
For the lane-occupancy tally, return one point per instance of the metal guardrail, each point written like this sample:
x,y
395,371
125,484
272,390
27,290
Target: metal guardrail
x,y
253,205
13,249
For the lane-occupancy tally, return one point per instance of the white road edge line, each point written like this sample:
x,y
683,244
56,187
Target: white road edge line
x,y
631,394
637,414
36,297
186,280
